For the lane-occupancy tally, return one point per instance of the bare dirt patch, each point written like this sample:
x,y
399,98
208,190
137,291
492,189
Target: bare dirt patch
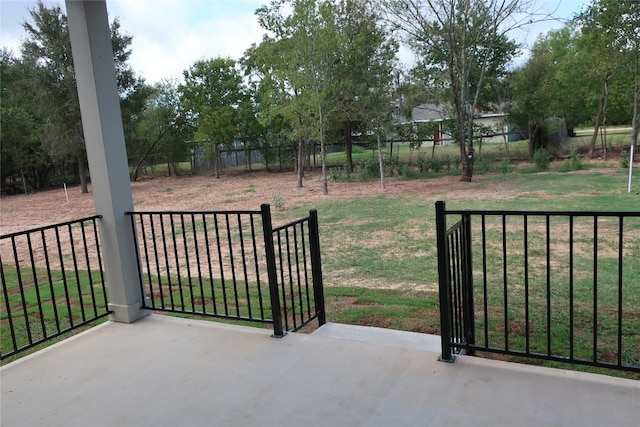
x,y
231,191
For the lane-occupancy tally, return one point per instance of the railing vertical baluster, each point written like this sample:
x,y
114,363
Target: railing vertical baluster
x,y
443,283
282,289
244,267
505,289
467,283
209,264
571,287
152,229
548,273
316,266
620,274
63,272
232,263
298,275
89,270
223,284
36,285
176,257
166,262
595,288
196,245
276,313
187,262
485,291
45,250
305,268
257,266
527,318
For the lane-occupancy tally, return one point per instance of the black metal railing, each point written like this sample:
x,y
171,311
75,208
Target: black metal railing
x,y
52,282
560,286
224,264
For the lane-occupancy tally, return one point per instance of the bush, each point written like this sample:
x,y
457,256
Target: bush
x,y
370,169
423,163
574,162
435,164
624,160
505,166
542,159
391,164
277,201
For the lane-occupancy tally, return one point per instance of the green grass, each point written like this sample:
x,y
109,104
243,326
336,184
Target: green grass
x,y
34,313
380,266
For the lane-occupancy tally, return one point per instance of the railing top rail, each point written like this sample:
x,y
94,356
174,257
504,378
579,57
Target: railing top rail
x,y
214,212
543,213
290,224
50,226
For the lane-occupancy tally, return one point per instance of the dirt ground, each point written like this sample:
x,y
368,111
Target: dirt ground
x,y
230,191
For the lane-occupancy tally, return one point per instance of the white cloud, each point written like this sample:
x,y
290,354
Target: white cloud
x,y
170,35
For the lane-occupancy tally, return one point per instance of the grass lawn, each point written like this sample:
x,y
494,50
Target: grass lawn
x,y
386,244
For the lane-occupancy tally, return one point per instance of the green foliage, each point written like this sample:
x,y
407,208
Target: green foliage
x,y
46,52
542,159
574,162
505,166
277,201
624,161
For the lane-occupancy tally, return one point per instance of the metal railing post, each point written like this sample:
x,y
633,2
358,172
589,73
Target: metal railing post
x,y
272,271
443,283
467,283
316,266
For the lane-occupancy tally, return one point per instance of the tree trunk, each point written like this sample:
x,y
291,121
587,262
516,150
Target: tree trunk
x,y
216,165
82,171
300,162
604,124
325,185
348,145
603,97
380,159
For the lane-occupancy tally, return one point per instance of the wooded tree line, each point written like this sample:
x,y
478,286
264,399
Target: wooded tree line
x,y
327,70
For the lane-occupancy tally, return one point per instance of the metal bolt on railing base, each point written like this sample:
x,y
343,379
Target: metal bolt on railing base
x,y
278,336
451,360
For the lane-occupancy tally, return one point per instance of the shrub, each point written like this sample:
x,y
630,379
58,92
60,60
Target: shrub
x,y
505,166
423,163
624,160
370,169
277,201
573,162
435,164
542,159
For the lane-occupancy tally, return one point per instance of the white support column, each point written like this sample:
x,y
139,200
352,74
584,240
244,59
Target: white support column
x,y
106,152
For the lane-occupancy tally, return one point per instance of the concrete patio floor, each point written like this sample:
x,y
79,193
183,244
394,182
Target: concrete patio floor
x,y
164,371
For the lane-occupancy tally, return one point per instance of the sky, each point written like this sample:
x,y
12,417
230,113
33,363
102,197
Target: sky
x,y
170,35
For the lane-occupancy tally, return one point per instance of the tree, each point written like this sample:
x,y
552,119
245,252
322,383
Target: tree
x,y
611,28
363,69
299,60
21,151
550,84
162,131
47,50
469,40
212,93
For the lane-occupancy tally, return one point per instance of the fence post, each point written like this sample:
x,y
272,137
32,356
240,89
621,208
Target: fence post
x,y
467,284
316,266
272,271
443,283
